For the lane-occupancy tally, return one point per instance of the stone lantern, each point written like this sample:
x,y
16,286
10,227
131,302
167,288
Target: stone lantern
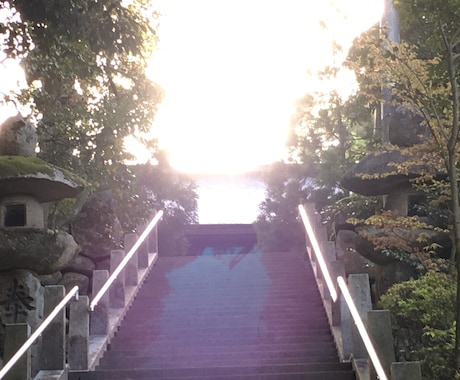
x,y
27,184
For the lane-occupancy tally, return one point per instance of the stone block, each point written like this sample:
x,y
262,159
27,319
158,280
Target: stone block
x,y
406,371
78,344
132,267
117,289
358,286
380,333
52,353
99,324
15,336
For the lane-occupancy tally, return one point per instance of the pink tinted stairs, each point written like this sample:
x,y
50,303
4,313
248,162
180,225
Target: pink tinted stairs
x,y
225,316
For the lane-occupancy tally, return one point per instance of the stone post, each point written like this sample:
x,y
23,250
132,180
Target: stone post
x,y
117,289
52,353
406,371
328,251
337,269
99,317
15,336
379,330
358,285
346,323
78,334
143,251
132,267
153,240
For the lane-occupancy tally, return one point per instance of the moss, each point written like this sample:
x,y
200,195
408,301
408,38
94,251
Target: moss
x,y
14,166
11,166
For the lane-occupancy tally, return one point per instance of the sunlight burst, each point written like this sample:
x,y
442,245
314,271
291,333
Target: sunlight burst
x,y
233,70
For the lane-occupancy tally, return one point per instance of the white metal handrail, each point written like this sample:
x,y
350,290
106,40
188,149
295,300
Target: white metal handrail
x,y
346,295
125,260
38,331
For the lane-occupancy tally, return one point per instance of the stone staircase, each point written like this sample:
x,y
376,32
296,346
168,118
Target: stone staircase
x,y
225,314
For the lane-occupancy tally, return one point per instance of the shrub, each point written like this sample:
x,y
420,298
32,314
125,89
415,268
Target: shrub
x,y
423,320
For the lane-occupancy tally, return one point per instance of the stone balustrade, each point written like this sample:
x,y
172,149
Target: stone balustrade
x,y
88,332
348,340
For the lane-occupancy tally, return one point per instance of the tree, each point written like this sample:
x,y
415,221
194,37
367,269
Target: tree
x,y
87,87
327,135
87,90
422,74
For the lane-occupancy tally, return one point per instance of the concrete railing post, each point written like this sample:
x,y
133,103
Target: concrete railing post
x,y
406,371
379,330
328,250
337,269
117,289
99,317
132,267
153,240
143,251
358,285
53,348
78,341
15,336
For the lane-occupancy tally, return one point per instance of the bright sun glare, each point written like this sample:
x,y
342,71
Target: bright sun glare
x,y
232,71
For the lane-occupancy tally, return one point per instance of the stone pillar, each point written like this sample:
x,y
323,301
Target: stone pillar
x,y
379,330
99,317
346,323
132,267
153,240
117,289
143,250
337,269
78,347
52,353
15,336
328,251
406,371
358,285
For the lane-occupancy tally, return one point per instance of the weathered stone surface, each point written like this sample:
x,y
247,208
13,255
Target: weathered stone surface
x,y
93,226
394,273
70,279
407,129
34,177
80,264
346,252
50,279
377,164
366,249
17,137
41,251
21,296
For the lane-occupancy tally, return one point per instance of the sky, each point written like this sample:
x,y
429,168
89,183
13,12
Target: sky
x,y
232,71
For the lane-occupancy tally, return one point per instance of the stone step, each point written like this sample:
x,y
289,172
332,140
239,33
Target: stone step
x,y
197,354
232,316
175,350
311,371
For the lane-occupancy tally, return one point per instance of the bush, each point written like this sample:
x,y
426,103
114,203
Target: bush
x,y
423,320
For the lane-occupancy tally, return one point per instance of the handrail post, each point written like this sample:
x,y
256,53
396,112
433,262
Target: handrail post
x,y
337,269
143,251
132,267
358,286
79,334
117,295
15,335
379,328
52,353
100,317
406,371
